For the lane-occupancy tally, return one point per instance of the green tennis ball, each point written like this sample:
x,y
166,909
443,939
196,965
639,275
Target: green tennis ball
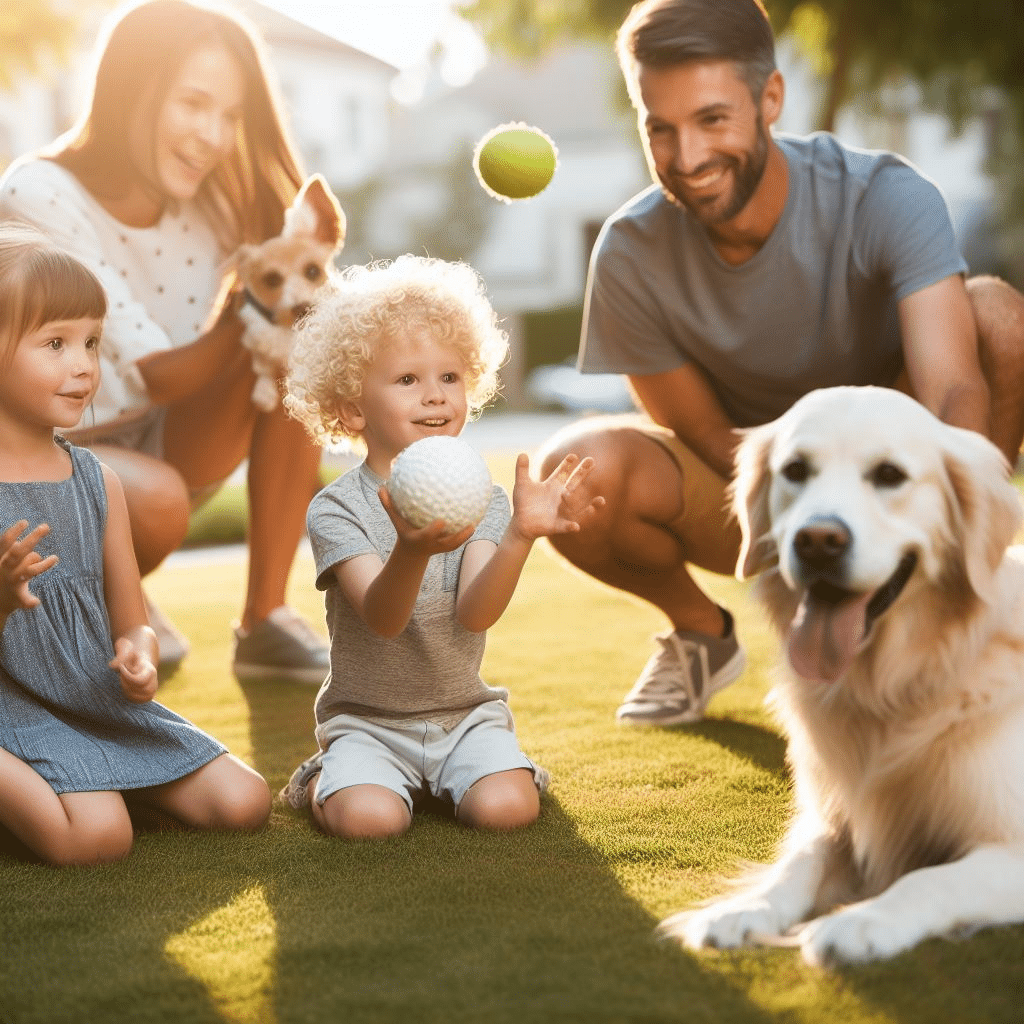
x,y
515,161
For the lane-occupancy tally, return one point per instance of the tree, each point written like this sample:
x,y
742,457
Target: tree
x,y
30,29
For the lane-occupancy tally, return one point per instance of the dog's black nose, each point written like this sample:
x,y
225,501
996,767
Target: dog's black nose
x,y
822,543
299,311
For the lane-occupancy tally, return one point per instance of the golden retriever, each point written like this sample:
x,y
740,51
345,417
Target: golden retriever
x,y
881,537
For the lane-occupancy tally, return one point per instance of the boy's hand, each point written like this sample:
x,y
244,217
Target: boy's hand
x,y
19,564
543,508
136,669
426,540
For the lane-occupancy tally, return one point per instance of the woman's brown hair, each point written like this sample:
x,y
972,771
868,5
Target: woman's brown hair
x,y
140,54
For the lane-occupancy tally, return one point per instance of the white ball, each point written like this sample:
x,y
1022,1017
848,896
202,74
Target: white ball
x,y
440,478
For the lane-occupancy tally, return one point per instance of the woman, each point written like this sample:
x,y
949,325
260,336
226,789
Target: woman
x,y
181,156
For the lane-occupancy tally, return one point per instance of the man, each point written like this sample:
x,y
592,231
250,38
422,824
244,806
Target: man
x,y
761,268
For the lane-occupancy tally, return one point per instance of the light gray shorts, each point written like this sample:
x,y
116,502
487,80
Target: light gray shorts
x,y
410,756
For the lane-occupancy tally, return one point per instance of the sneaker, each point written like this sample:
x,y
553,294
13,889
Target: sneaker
x,y
681,677
296,794
172,643
282,646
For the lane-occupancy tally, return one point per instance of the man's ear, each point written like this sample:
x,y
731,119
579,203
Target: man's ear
x,y
772,97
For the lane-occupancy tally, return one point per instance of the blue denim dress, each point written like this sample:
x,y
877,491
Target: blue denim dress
x,y
62,709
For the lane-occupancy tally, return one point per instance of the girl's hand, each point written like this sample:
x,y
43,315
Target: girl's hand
x,y
19,564
426,540
543,508
136,669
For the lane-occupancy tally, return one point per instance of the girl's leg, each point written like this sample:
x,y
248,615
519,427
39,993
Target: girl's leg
x,y
503,800
205,438
70,828
361,812
224,794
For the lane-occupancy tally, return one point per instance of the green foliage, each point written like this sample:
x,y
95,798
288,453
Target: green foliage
x,y
30,30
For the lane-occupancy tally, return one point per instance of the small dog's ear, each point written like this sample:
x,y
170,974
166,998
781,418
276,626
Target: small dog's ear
x,y
986,506
749,492
316,213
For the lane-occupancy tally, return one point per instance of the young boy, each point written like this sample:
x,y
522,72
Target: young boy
x,y
394,353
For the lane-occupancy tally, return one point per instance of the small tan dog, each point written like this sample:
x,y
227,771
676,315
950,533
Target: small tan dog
x,y
279,279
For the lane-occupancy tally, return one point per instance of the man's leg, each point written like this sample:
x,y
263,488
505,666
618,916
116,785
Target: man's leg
x,y
999,315
660,518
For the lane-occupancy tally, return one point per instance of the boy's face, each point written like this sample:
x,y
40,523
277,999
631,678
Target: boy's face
x,y
413,388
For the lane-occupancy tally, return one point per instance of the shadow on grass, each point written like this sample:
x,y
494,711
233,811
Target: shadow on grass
x,y
762,747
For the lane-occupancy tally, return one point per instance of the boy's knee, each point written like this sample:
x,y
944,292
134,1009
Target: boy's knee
x,y
504,801
364,812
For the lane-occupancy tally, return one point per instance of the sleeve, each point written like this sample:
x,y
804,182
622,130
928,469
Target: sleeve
x,y
624,328
496,519
903,231
335,534
47,197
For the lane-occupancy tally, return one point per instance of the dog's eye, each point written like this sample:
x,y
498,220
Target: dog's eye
x,y
273,279
312,272
796,471
887,474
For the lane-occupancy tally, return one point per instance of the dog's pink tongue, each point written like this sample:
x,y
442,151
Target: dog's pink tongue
x,y
823,638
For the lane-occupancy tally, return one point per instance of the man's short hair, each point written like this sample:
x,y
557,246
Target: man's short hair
x,y
665,33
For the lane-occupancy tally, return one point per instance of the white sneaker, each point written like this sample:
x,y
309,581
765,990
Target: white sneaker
x,y
679,679
172,643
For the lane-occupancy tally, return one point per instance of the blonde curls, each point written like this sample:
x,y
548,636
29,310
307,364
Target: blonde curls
x,y
365,307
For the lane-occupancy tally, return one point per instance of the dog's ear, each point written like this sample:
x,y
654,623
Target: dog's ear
x,y
750,501
316,213
986,506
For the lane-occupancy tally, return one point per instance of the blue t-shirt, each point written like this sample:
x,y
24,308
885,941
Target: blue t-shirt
x,y
814,307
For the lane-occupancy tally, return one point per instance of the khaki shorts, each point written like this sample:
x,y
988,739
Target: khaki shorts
x,y
413,756
706,497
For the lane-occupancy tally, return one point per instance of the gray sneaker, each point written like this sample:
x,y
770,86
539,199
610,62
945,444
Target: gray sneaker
x,y
686,671
296,793
282,646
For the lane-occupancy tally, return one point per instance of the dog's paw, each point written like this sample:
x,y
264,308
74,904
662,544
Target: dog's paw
x,y
858,934
746,919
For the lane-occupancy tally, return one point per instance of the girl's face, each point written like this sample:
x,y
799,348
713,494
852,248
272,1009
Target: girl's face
x,y
413,388
52,375
197,122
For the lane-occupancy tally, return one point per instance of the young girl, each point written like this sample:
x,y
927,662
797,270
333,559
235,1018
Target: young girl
x,y
77,658
391,354
181,154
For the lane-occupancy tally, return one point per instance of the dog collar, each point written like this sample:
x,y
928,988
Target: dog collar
x,y
264,311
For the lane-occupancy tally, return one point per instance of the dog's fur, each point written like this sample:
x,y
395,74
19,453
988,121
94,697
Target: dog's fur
x,y
279,280
906,730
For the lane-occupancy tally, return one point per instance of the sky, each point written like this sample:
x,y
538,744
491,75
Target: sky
x,y
401,32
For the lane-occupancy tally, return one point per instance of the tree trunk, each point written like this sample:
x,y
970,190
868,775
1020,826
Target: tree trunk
x,y
839,80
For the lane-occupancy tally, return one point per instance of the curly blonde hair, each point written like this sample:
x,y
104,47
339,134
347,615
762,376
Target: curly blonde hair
x,y
365,307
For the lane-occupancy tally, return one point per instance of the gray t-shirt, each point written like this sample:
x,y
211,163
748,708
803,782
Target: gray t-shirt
x,y
431,669
815,307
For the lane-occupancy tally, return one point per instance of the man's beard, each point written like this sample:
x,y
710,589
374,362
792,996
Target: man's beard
x,y
747,172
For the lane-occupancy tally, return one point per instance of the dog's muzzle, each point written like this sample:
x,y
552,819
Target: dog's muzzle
x,y
832,621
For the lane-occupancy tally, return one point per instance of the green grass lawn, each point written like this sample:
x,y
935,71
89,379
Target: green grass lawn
x,y
552,923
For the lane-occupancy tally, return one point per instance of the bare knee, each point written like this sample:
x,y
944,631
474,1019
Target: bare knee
x,y
504,800
999,317
244,806
363,812
102,840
